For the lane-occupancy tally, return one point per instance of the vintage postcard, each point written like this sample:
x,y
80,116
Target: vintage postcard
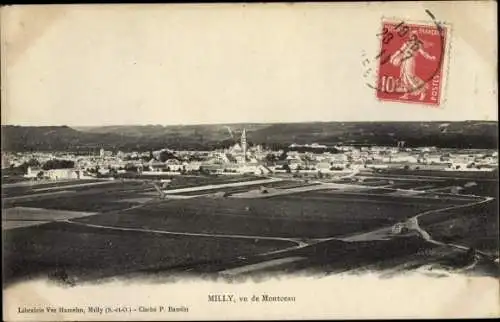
x,y
250,161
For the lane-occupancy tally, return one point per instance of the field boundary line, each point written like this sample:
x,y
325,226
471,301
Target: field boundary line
x,y
428,212
221,185
177,233
423,177
36,195
365,236
425,235
260,266
75,185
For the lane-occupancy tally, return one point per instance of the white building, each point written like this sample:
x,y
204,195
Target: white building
x,y
5,161
54,174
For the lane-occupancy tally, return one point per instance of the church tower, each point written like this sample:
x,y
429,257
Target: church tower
x,y
244,144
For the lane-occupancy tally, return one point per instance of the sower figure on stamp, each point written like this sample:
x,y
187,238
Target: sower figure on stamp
x,y
405,58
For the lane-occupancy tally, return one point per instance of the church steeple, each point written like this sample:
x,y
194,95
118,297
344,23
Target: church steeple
x,y
244,144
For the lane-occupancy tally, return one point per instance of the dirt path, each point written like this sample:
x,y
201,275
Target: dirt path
x,y
297,241
414,224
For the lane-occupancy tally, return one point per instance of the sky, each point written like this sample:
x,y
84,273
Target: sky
x,y
189,64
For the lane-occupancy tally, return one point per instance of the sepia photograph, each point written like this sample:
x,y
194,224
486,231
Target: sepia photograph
x,y
221,161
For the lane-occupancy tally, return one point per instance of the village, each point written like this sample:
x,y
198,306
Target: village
x,y
300,160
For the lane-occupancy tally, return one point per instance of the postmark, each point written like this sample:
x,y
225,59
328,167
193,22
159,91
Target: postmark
x,y
410,63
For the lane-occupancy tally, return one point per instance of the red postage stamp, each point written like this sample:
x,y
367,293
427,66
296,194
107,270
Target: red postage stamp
x,y
411,62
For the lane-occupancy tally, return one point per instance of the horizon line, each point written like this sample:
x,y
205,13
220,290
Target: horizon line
x,y
232,123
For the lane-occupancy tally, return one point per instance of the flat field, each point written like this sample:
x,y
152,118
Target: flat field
x,y
134,231
305,215
87,253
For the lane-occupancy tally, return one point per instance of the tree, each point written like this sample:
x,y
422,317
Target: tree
x,y
271,158
58,164
166,155
130,167
307,158
33,163
194,158
39,175
283,156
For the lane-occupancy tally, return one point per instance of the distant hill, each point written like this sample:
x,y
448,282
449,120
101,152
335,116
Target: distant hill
x,y
50,138
469,134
